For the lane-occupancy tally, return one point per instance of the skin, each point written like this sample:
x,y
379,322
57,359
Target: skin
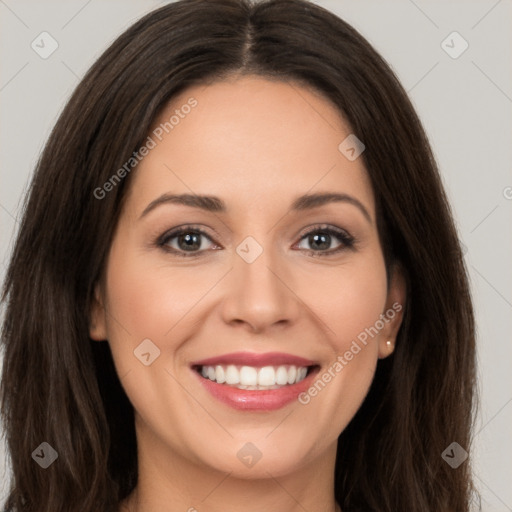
x,y
256,144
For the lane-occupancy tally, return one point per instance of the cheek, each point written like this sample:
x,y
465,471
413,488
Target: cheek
x,y
151,300
349,303
349,300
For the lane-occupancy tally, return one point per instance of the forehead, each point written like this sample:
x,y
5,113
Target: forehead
x,y
248,140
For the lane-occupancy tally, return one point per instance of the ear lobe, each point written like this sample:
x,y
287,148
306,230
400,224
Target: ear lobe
x,y
97,317
394,312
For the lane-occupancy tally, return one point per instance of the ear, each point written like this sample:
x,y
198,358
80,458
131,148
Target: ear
x,y
393,313
97,317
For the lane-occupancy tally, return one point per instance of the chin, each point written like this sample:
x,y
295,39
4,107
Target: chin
x,y
257,460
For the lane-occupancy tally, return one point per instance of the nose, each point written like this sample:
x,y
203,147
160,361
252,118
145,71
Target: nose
x,y
260,295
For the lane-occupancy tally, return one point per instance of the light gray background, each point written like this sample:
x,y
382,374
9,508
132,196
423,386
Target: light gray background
x,y
464,103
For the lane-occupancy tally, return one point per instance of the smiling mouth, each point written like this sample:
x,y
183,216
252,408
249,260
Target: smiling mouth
x,y
255,378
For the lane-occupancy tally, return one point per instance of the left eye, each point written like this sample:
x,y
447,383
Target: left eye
x,y
320,240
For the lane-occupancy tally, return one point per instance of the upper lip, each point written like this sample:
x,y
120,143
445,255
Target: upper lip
x,y
255,359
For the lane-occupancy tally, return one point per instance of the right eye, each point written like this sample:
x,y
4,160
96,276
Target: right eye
x,y
184,241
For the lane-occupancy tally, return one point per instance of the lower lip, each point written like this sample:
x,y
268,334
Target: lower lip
x,y
257,400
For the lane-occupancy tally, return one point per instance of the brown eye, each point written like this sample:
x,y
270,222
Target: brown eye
x,y
320,240
184,240
189,242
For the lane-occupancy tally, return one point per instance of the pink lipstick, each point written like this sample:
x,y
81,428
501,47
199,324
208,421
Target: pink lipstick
x,y
255,381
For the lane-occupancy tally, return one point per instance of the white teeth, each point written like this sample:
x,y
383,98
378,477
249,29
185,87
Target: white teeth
x,y
292,374
232,375
266,376
282,376
220,376
249,377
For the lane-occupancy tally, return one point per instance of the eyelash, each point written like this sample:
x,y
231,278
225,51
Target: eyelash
x,y
347,240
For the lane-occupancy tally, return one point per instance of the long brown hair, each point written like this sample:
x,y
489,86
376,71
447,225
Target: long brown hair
x,y
60,387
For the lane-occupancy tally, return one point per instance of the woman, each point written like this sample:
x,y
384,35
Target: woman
x,y
237,282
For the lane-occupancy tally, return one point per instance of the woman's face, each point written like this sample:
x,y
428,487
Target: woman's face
x,y
260,286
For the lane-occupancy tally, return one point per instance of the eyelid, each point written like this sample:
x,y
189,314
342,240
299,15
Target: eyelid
x,y
325,227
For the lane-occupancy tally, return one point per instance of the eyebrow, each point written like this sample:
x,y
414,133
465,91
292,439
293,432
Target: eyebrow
x,y
217,205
